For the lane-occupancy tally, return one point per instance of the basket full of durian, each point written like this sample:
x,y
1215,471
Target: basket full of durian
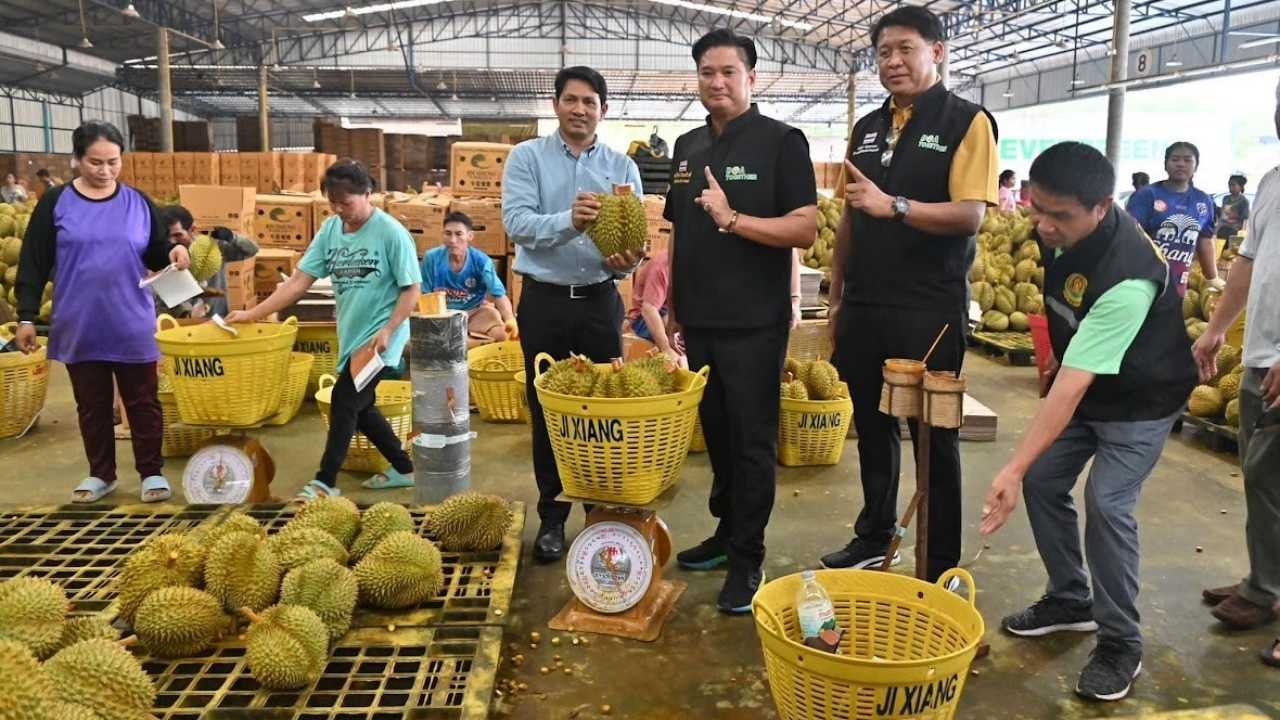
x,y
620,431
492,369
815,414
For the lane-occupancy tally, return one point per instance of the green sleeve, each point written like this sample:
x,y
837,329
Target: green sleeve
x,y
1110,327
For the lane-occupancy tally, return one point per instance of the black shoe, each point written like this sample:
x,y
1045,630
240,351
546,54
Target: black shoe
x,y
1110,673
740,587
858,555
707,555
1050,615
549,547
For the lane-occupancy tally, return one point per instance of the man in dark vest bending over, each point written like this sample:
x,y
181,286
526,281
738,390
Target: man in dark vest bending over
x,y
1115,321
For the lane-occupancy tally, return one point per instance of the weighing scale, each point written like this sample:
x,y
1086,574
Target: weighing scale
x,y
229,470
614,568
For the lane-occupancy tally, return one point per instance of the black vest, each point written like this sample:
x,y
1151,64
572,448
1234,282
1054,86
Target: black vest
x,y
1158,370
892,263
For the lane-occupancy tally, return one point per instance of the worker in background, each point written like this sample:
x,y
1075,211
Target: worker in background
x,y
1139,180
182,231
742,198
373,264
469,281
569,302
1008,199
1123,371
1255,280
1179,216
647,317
12,192
45,181
921,174
1235,208
1024,194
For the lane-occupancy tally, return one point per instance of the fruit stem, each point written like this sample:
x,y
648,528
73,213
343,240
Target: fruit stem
x,y
128,641
249,614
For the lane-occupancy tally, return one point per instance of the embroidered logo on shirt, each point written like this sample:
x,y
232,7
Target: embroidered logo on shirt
x,y
682,174
932,142
738,172
1074,289
1202,208
1160,206
869,137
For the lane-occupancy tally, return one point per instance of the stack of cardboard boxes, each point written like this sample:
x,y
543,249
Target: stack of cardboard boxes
x,y
659,228
160,174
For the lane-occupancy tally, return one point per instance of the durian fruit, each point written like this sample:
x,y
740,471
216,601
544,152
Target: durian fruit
x,y
164,561
206,258
327,588
983,294
1191,304
620,225
25,689
66,711
178,622
334,514
101,676
1018,321
608,382
33,612
636,383
401,571
286,646
1229,386
380,520
242,571
1205,401
661,369
1006,302
87,627
1228,359
796,368
295,546
995,321
235,522
822,380
794,389
470,521
574,375
1232,413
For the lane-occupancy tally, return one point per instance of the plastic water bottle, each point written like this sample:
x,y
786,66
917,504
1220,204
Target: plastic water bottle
x,y
814,607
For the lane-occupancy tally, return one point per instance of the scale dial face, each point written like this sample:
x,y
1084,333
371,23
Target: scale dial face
x,y
610,566
218,474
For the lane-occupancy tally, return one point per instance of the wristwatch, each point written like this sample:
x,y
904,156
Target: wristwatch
x,y
901,206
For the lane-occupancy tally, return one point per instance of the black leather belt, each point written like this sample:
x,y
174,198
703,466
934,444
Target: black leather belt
x,y
572,292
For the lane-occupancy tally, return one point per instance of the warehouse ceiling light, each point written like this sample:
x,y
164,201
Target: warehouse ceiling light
x,y
130,11
349,11
1259,43
1174,61
716,10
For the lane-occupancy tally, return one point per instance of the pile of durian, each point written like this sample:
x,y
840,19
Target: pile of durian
x,y
1199,302
811,380
818,255
1219,398
577,376
182,592
1007,277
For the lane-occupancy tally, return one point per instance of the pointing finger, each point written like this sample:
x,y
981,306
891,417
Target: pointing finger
x,y
854,173
711,178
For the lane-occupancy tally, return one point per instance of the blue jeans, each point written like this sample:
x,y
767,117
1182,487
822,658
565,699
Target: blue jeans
x,y
641,328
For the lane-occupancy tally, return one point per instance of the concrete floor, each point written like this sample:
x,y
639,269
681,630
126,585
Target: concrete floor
x,y
709,666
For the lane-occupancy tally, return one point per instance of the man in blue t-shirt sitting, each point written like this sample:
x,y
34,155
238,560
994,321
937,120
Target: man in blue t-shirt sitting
x,y
1179,217
467,278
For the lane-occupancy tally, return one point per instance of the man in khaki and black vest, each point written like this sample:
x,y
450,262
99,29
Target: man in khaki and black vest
x,y
922,171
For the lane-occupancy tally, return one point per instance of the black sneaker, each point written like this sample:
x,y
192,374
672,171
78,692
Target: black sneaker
x,y
740,586
859,554
1110,673
707,555
1050,615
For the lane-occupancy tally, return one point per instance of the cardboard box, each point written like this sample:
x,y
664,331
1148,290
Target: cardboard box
x,y
313,167
143,164
240,274
269,265
182,168
239,298
268,172
293,172
283,221
320,211
486,217
659,237
246,170
475,168
228,169
423,217
214,205
126,169
205,169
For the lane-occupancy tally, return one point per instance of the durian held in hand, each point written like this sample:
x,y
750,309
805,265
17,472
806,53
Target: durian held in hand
x,y
649,376
620,225
810,380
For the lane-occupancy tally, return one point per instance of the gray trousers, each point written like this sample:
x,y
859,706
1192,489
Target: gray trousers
x,y
1260,463
1124,454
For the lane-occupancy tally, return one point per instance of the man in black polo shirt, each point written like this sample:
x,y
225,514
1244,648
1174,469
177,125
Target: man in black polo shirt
x,y
922,170
742,196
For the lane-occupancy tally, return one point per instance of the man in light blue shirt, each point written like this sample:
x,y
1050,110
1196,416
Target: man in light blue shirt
x,y
569,302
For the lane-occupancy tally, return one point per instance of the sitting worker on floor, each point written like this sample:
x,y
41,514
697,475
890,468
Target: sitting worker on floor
x,y
233,248
467,278
1123,373
647,317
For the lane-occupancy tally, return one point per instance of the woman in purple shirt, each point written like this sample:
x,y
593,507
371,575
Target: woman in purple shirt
x,y
98,238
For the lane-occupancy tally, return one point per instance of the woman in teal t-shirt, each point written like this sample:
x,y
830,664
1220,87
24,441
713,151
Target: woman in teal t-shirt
x,y
373,265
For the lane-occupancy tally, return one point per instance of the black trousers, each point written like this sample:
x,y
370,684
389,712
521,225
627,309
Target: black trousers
x,y
867,335
350,411
553,323
739,413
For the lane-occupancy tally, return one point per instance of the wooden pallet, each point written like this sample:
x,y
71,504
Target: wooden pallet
x,y
1016,346
1219,437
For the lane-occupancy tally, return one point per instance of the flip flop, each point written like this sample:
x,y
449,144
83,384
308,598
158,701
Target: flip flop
x,y
314,490
155,489
96,488
1269,654
389,480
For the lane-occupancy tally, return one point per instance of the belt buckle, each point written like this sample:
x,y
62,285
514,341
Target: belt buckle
x,y
573,292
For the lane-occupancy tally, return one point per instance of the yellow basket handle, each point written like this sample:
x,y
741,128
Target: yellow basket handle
x,y
966,578
768,618
494,364
165,321
538,369
705,372
291,321
326,381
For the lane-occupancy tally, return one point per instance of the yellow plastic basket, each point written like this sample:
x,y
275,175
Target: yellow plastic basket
x,y
295,388
320,340
225,381
905,652
809,340
621,450
179,440
492,369
812,432
518,381
394,401
698,443
24,383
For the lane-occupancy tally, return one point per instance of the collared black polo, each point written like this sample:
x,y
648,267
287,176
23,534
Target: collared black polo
x,y
721,280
